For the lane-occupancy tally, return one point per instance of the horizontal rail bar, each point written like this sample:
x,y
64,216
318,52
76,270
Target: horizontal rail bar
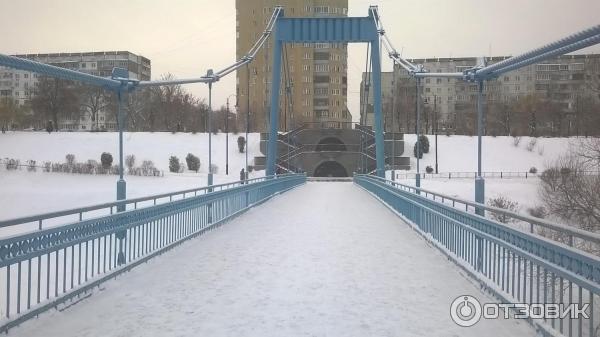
x,y
73,258
108,205
582,234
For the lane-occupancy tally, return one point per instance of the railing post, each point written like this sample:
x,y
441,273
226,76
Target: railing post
x,y
121,185
479,181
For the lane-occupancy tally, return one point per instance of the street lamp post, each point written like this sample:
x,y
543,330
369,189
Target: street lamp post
x,y
435,116
227,136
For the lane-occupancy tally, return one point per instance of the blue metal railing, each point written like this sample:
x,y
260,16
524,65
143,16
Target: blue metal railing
x,y
572,236
517,266
44,268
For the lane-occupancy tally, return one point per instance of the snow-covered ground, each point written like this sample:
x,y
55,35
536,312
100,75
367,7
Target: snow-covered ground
x,y
459,154
25,193
336,264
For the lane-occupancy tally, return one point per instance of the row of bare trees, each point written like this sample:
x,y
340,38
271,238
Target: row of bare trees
x,y
532,115
167,108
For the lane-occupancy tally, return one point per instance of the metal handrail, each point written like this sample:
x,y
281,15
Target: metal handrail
x,y
571,231
113,204
515,266
72,259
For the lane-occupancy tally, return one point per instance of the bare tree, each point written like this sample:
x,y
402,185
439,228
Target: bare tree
x,y
93,100
55,99
571,194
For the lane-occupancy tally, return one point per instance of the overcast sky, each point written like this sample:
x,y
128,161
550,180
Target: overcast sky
x,y
187,37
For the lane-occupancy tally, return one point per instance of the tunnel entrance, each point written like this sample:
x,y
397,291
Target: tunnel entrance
x,y
330,169
330,144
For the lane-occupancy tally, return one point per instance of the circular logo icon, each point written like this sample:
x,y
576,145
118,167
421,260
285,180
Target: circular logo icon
x,y
465,310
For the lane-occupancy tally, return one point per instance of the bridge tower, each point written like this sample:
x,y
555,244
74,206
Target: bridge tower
x,y
326,30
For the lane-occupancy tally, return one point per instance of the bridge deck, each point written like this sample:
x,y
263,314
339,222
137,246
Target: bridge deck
x,y
323,259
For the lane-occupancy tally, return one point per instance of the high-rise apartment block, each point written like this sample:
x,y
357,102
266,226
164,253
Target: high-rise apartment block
x,y
314,84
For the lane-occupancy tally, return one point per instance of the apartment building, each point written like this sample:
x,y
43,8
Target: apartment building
x,y
563,79
314,76
21,85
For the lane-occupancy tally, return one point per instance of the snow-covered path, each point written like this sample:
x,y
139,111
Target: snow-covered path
x,y
325,259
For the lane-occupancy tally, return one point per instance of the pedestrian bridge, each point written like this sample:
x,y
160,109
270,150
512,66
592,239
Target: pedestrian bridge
x,y
280,256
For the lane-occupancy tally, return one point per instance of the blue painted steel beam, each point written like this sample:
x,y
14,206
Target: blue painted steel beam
x,y
58,72
275,83
591,32
326,29
378,120
560,51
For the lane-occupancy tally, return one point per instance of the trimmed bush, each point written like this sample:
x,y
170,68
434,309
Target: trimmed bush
x,y
174,165
193,162
70,158
106,159
533,170
420,154
424,143
429,169
241,141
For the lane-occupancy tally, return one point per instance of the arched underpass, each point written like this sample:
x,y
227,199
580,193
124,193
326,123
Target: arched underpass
x,y
330,169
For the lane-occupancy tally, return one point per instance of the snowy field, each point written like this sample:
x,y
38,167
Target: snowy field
x,y
340,264
459,154
26,193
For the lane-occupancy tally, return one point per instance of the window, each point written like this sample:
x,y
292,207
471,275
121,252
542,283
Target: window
x,y
307,56
576,67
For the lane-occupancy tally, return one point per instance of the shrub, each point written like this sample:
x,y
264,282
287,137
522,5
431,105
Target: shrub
x,y
193,162
31,166
174,165
106,159
12,164
531,144
49,127
47,166
250,168
516,141
533,170
429,169
92,166
565,171
538,212
424,143
214,169
504,203
241,141
70,159
420,149
551,178
148,169
130,163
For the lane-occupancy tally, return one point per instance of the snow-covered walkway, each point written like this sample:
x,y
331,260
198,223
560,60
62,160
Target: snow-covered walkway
x,y
325,259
